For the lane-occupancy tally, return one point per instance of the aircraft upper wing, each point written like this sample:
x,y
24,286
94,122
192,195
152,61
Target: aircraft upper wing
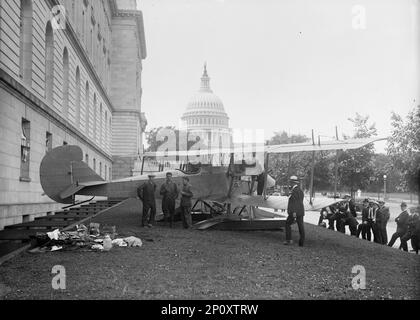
x,y
324,146
280,202
281,148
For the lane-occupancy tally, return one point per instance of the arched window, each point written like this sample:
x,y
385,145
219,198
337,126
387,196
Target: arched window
x,y
87,107
66,74
78,96
95,119
25,57
49,62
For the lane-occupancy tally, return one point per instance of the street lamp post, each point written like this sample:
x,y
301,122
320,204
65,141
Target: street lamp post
x,y
384,187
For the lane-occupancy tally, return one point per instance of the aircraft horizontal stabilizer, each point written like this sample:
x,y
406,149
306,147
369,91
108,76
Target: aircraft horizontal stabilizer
x,y
61,171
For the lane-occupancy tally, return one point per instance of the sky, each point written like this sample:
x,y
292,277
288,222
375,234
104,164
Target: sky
x,y
289,65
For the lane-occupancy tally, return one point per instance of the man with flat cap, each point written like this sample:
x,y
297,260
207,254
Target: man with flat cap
x,y
146,193
295,211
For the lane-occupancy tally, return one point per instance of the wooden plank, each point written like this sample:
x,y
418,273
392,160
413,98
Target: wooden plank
x,y
17,234
63,217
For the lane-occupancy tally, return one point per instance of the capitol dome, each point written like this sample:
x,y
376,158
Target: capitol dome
x,y
205,109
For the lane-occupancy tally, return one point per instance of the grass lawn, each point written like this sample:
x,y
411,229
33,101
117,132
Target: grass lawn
x,y
179,264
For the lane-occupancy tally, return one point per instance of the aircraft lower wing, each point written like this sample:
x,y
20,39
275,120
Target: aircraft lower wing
x,y
278,202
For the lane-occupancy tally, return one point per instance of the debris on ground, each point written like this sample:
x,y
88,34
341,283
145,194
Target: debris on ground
x,y
133,242
89,239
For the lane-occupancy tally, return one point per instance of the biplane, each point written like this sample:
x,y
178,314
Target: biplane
x,y
230,190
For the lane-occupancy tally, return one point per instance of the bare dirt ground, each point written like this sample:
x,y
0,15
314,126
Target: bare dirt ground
x,y
191,264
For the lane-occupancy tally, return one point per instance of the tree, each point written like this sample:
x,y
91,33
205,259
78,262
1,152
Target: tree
x,y
383,165
299,163
356,166
283,166
404,148
151,138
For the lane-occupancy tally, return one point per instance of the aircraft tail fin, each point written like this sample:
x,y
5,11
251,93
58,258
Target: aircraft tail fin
x,y
62,169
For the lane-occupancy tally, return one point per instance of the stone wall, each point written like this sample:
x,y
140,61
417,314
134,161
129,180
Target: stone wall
x,y
123,167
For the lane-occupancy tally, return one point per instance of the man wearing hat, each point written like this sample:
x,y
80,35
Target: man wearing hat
x,y
384,214
169,193
413,229
146,193
364,227
402,227
295,211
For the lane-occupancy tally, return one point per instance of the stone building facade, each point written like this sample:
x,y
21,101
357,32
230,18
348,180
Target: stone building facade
x,y
66,77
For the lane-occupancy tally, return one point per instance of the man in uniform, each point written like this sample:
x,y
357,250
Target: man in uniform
x,y
146,193
169,193
295,211
384,221
402,227
186,196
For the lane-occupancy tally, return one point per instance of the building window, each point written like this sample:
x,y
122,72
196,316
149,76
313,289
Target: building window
x,y
87,107
25,57
66,73
49,62
48,142
110,174
78,96
87,159
100,124
106,130
94,164
100,169
25,147
95,120
106,171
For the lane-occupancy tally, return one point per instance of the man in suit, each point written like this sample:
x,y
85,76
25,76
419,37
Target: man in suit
x,y
169,193
146,193
364,227
402,227
376,225
413,229
384,221
371,221
295,211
